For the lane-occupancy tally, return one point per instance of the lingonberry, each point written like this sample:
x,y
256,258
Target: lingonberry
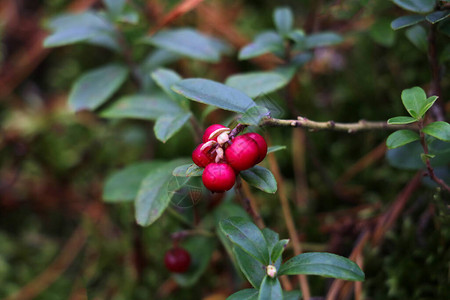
x,y
218,177
262,145
210,130
177,260
202,157
243,153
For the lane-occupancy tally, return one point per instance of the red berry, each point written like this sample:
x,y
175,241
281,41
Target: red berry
x,y
210,130
177,260
202,158
243,153
262,145
218,177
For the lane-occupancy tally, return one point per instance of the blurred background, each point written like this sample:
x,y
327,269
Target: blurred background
x,y
59,240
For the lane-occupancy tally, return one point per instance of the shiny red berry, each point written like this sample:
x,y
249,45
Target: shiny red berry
x,y
202,158
177,260
262,145
218,177
243,153
210,130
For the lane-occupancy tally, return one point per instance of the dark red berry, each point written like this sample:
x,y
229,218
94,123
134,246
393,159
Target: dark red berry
x,y
202,158
177,260
243,153
210,130
218,177
262,145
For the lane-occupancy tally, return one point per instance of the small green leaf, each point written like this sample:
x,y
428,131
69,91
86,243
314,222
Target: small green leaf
x,y
188,170
278,249
437,16
323,264
275,148
418,36
93,88
424,157
265,42
400,138
254,84
382,33
247,236
252,269
417,6
260,178
167,125
115,6
123,185
283,19
292,295
428,104
406,157
270,289
254,115
165,78
406,21
413,100
439,130
214,93
401,120
247,294
322,39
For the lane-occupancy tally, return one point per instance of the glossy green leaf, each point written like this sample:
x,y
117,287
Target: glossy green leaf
x,y
188,170
323,264
254,84
382,33
275,148
247,294
292,295
400,138
214,93
247,236
260,178
401,120
418,36
187,42
278,250
145,107
201,249
322,39
272,239
265,42
167,125
439,130
153,196
254,115
165,78
417,6
93,88
413,100
406,21
437,16
252,269
427,105
270,289
283,19
123,185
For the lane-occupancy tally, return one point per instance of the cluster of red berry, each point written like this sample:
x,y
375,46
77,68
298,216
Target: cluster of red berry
x,y
224,156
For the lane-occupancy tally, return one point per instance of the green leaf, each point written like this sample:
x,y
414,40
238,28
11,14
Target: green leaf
x,y
382,33
406,157
401,120
260,178
254,84
417,6
252,269
145,107
247,294
93,88
115,6
278,250
323,264
265,42
428,104
406,21
254,115
439,130
165,78
187,42
158,58
283,19
270,289
153,196
437,16
400,138
292,295
413,100
214,93
188,170
247,236
418,36
167,125
201,249
322,39
123,185
275,148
